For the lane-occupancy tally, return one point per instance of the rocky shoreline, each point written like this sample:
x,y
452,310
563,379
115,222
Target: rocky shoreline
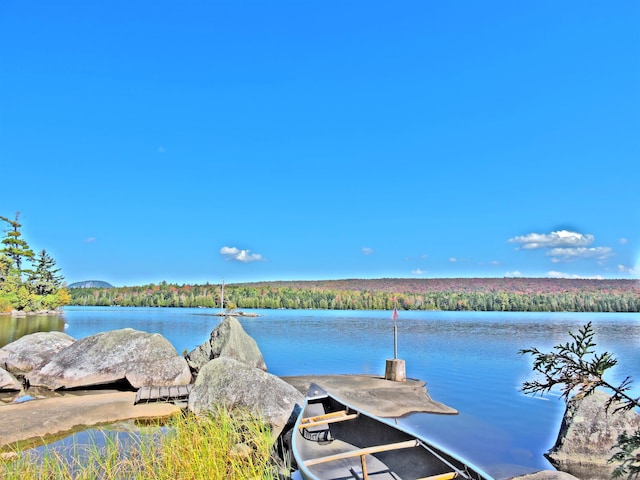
x,y
22,313
71,383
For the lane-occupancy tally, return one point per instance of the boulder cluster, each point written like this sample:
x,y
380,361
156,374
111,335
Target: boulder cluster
x,y
228,369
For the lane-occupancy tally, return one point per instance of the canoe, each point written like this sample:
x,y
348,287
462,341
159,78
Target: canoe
x,y
333,440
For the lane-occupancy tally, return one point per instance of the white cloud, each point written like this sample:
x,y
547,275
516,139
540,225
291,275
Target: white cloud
x,y
554,274
567,254
418,271
623,241
564,246
515,273
561,238
367,251
453,259
90,240
235,254
629,270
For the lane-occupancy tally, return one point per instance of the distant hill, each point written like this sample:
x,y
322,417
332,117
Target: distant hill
x,y
90,284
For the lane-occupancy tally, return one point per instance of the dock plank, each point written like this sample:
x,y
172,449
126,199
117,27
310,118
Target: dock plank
x,y
155,393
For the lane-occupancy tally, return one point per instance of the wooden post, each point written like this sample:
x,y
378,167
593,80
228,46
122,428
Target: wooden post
x,y
222,296
395,339
395,370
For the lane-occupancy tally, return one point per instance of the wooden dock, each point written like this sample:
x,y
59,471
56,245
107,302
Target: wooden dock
x,y
174,393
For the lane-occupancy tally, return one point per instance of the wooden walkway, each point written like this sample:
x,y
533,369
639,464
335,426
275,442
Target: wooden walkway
x,y
175,393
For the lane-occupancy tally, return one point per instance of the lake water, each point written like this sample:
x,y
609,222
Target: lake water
x,y
469,361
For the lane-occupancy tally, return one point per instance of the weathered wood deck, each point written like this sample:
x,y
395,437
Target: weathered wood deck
x,y
173,393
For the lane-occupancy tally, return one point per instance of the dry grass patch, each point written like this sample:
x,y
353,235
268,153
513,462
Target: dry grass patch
x,y
222,445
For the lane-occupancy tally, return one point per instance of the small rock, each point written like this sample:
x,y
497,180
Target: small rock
x,y
8,382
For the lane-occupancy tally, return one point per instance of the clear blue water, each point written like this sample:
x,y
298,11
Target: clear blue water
x,y
469,361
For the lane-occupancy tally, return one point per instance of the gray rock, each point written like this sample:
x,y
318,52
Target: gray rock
x,y
8,382
546,475
140,358
32,351
225,381
227,340
587,435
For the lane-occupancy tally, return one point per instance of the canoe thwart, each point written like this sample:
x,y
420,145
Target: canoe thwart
x,y
325,421
362,452
324,416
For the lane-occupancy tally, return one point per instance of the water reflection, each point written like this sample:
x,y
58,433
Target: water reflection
x,y
12,328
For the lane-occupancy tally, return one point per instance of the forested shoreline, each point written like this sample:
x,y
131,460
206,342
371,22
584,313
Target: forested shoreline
x,y
454,294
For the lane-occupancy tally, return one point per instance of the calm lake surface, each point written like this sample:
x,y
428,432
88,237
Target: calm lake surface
x,y
469,361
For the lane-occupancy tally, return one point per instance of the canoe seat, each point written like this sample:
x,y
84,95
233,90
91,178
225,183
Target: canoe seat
x,y
313,430
320,435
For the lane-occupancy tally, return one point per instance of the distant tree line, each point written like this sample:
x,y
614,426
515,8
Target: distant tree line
x,y
454,295
29,281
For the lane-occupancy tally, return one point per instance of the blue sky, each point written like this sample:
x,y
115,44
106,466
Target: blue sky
x,y
251,140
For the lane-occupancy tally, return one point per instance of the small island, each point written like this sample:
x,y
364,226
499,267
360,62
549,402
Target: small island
x,y
30,283
238,313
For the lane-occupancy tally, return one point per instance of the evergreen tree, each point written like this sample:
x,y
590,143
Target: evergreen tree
x,y
44,279
5,267
15,247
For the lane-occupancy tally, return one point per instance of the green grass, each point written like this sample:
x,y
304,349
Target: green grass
x,y
221,445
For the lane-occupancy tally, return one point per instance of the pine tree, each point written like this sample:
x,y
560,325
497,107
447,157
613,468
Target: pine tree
x,y
44,279
15,247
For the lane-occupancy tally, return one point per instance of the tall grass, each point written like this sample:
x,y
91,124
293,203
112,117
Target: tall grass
x,y
222,445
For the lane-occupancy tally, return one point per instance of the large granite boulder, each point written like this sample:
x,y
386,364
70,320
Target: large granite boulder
x,y
32,351
228,382
227,340
110,357
8,382
587,435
